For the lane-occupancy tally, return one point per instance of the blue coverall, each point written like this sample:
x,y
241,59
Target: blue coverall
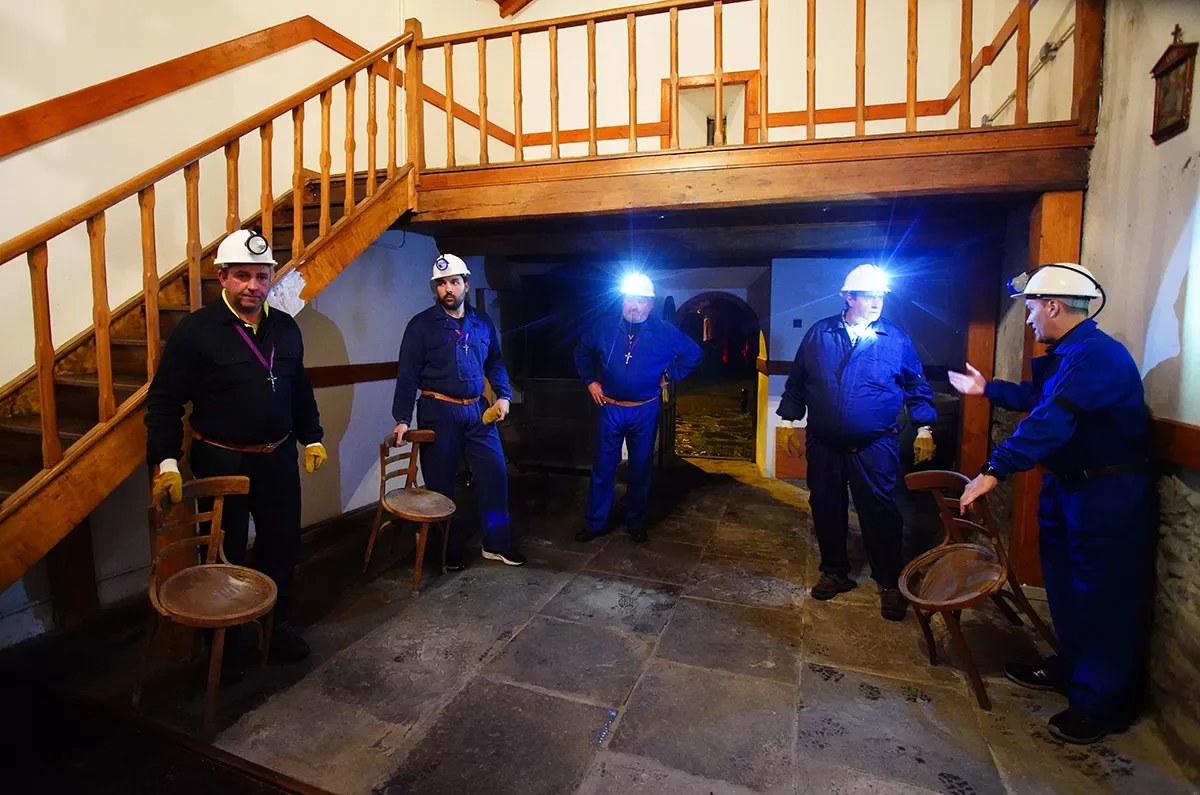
x,y
1089,427
853,393
441,354
629,371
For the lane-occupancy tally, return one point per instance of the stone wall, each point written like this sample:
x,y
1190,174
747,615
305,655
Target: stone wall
x,y
1175,646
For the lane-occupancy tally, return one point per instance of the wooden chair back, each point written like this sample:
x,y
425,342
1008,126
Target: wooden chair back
x,y
404,463
946,487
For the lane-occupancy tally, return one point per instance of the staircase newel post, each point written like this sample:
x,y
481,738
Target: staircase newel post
x,y
414,102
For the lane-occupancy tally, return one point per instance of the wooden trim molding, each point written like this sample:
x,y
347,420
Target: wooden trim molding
x,y
1175,442
773,367
346,374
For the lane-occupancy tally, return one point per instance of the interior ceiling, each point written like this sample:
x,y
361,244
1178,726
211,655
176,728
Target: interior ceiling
x,y
878,230
510,7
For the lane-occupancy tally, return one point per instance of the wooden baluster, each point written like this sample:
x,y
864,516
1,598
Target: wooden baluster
x,y
964,68
191,181
233,216
372,127
718,74
910,107
553,93
812,70
763,121
326,159
266,199
631,23
150,280
481,43
297,182
448,55
518,97
101,317
591,88
414,102
860,69
674,78
391,114
348,203
1022,110
43,350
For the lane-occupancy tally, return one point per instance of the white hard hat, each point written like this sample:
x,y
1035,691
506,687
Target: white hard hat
x,y
245,247
866,279
1055,280
637,284
448,265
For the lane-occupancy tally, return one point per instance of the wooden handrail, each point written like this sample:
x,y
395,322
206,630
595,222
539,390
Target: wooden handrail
x,y
77,215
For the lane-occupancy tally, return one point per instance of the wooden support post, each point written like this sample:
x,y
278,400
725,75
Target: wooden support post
x,y
675,78
348,201
448,57
964,67
718,74
71,568
325,160
266,199
1055,235
812,70
372,129
297,181
763,110
233,216
1089,51
591,86
481,44
631,24
414,103
983,311
554,150
101,318
518,98
1022,107
860,69
910,105
39,262
150,280
393,133
191,182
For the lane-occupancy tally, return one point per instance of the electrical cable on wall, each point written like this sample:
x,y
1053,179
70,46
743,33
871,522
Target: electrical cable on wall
x,y
1045,55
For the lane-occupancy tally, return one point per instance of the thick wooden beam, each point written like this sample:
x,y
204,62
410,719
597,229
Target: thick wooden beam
x,y
1089,51
1174,442
983,311
1055,235
71,566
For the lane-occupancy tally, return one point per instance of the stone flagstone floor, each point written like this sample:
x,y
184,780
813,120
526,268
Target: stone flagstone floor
x,y
695,663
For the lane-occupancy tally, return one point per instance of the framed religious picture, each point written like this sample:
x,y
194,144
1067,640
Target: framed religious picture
x,y
1173,88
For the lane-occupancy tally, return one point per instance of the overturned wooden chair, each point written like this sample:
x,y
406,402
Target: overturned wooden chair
x,y
410,502
212,595
959,574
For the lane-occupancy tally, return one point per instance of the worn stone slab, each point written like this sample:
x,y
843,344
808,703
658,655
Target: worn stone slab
x,y
748,581
856,637
632,605
767,542
819,778
765,514
688,529
625,774
499,738
917,734
755,641
712,724
660,561
597,663
1034,762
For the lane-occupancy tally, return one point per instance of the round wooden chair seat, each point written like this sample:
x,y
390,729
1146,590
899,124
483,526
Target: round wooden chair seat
x,y
418,505
952,577
217,595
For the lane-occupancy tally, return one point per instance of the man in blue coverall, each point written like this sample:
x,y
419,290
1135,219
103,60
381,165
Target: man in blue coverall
x,y
1088,426
446,352
623,361
852,374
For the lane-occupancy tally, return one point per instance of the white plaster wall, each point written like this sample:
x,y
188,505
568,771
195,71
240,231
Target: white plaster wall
x,y
1141,222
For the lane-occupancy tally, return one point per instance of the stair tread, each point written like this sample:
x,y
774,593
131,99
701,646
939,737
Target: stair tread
x,y
120,381
68,427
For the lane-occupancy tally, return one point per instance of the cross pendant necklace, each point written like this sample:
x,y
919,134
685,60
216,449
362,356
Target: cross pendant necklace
x,y
269,366
633,341
271,377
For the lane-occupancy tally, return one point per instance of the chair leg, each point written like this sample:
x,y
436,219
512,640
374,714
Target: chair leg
x,y
923,620
422,537
214,679
147,656
375,526
269,618
1004,607
960,645
445,542
1026,608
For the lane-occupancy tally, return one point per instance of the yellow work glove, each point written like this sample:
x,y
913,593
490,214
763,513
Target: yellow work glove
x,y
314,457
169,483
923,447
491,414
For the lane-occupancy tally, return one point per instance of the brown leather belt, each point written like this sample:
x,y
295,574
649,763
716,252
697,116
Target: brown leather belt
x,y
242,448
628,403
448,399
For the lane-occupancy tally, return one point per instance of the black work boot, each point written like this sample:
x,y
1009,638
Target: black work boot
x,y
1072,726
830,585
1042,676
892,604
287,646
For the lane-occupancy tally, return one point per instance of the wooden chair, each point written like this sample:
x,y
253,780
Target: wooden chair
x,y
959,574
410,503
211,595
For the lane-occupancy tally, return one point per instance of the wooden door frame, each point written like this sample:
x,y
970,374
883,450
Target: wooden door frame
x,y
747,78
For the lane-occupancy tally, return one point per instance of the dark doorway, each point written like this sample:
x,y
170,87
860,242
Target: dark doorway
x,y
715,406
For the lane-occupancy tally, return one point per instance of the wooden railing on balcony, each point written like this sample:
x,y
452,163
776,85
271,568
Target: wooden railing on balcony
x,y
36,244
762,114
